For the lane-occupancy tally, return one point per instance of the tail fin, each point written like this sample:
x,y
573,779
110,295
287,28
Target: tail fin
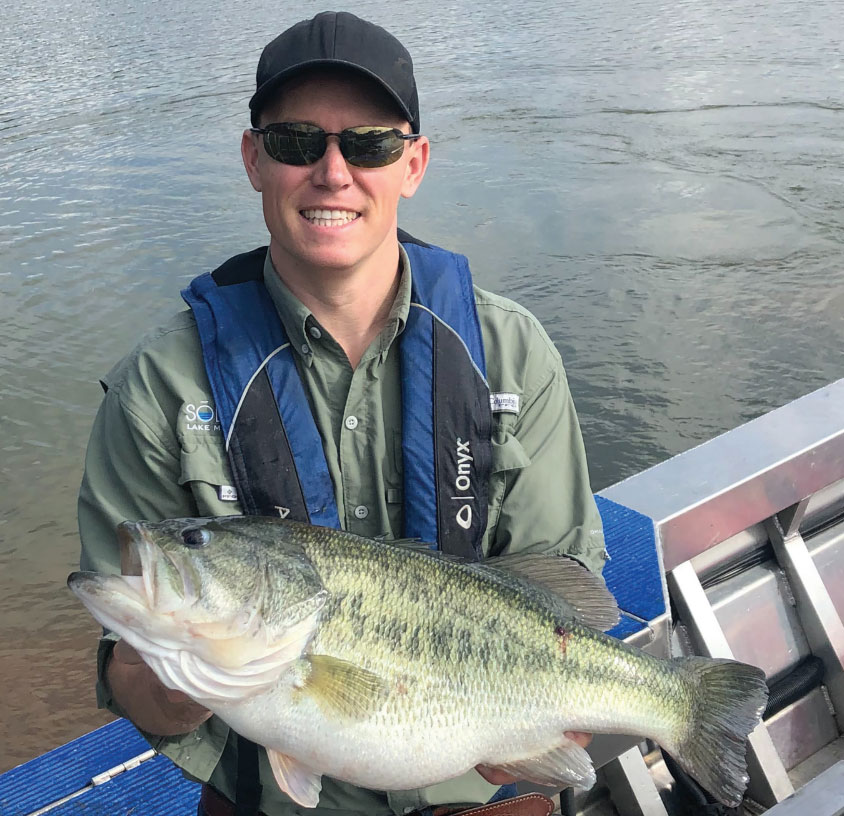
x,y
729,699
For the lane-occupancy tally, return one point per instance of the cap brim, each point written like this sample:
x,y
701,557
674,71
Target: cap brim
x,y
265,92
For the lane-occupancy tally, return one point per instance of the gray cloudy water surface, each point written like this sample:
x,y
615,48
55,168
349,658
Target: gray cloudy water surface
x,y
662,183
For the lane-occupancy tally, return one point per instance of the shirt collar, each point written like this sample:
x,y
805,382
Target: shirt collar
x,y
302,327
296,318
400,309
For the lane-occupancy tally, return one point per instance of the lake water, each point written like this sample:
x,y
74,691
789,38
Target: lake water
x,y
662,183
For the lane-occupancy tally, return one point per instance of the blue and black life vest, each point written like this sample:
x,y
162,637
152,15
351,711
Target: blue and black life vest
x,y
272,441
273,444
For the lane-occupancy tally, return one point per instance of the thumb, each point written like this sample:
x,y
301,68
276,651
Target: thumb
x,y
176,696
126,653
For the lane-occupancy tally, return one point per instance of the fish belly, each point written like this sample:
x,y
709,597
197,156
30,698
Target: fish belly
x,y
416,744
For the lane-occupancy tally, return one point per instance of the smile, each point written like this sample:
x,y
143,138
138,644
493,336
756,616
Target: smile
x,y
329,218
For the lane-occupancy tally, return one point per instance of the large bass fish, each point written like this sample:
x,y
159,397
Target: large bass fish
x,y
352,657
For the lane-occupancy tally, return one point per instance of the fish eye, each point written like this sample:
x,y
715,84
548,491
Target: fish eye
x,y
195,537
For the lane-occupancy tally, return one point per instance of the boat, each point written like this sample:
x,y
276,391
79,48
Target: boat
x,y
734,548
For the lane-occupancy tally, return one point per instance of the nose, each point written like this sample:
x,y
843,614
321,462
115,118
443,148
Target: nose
x,y
332,170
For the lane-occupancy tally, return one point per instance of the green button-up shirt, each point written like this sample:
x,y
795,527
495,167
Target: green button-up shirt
x,y
151,457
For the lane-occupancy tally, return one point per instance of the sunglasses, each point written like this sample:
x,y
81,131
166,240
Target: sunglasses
x,y
364,146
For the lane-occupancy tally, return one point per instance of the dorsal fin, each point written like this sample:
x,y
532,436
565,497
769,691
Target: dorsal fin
x,y
581,594
585,593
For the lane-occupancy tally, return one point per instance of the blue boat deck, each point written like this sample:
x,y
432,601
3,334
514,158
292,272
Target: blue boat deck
x,y
99,773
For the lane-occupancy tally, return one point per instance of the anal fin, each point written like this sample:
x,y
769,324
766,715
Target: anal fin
x,y
301,783
567,765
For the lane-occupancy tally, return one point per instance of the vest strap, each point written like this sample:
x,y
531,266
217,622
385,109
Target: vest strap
x,y
248,786
272,441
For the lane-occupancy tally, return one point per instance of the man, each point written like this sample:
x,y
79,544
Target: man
x,y
340,377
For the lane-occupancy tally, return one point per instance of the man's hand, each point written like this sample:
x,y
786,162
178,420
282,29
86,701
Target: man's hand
x,y
497,777
148,703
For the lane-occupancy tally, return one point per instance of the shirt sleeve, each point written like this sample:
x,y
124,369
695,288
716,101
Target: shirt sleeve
x,y
548,504
131,472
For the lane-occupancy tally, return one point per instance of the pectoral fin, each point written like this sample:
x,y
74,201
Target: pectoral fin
x,y
301,783
341,689
567,765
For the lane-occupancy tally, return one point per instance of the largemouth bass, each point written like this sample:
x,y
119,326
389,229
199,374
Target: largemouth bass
x,y
351,657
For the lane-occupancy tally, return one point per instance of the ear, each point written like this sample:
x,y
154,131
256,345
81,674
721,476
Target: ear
x,y
249,152
416,165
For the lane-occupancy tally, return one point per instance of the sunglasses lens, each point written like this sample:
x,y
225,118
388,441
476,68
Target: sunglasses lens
x,y
371,146
365,146
294,143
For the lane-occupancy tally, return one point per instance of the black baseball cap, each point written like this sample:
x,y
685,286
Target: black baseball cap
x,y
344,40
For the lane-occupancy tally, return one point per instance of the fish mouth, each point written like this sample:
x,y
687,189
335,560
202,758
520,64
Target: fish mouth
x,y
116,600
141,560
137,570
132,539
137,559
131,604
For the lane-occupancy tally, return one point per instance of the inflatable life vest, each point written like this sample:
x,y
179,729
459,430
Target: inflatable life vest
x,y
446,416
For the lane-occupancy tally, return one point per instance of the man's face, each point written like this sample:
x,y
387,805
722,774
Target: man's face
x,y
366,198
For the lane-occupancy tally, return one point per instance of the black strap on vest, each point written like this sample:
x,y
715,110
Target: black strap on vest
x,y
241,268
262,461
448,347
247,797
262,468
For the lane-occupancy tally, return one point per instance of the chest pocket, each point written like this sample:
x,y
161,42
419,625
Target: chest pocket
x,y
508,460
508,454
205,472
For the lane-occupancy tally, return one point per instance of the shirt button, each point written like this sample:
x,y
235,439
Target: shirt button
x,y
361,511
306,349
315,332
351,422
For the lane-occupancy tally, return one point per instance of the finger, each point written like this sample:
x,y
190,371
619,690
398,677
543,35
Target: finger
x,y
175,696
495,776
188,716
187,707
126,653
582,738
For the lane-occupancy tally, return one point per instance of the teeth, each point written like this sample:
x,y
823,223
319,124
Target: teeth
x,y
330,218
